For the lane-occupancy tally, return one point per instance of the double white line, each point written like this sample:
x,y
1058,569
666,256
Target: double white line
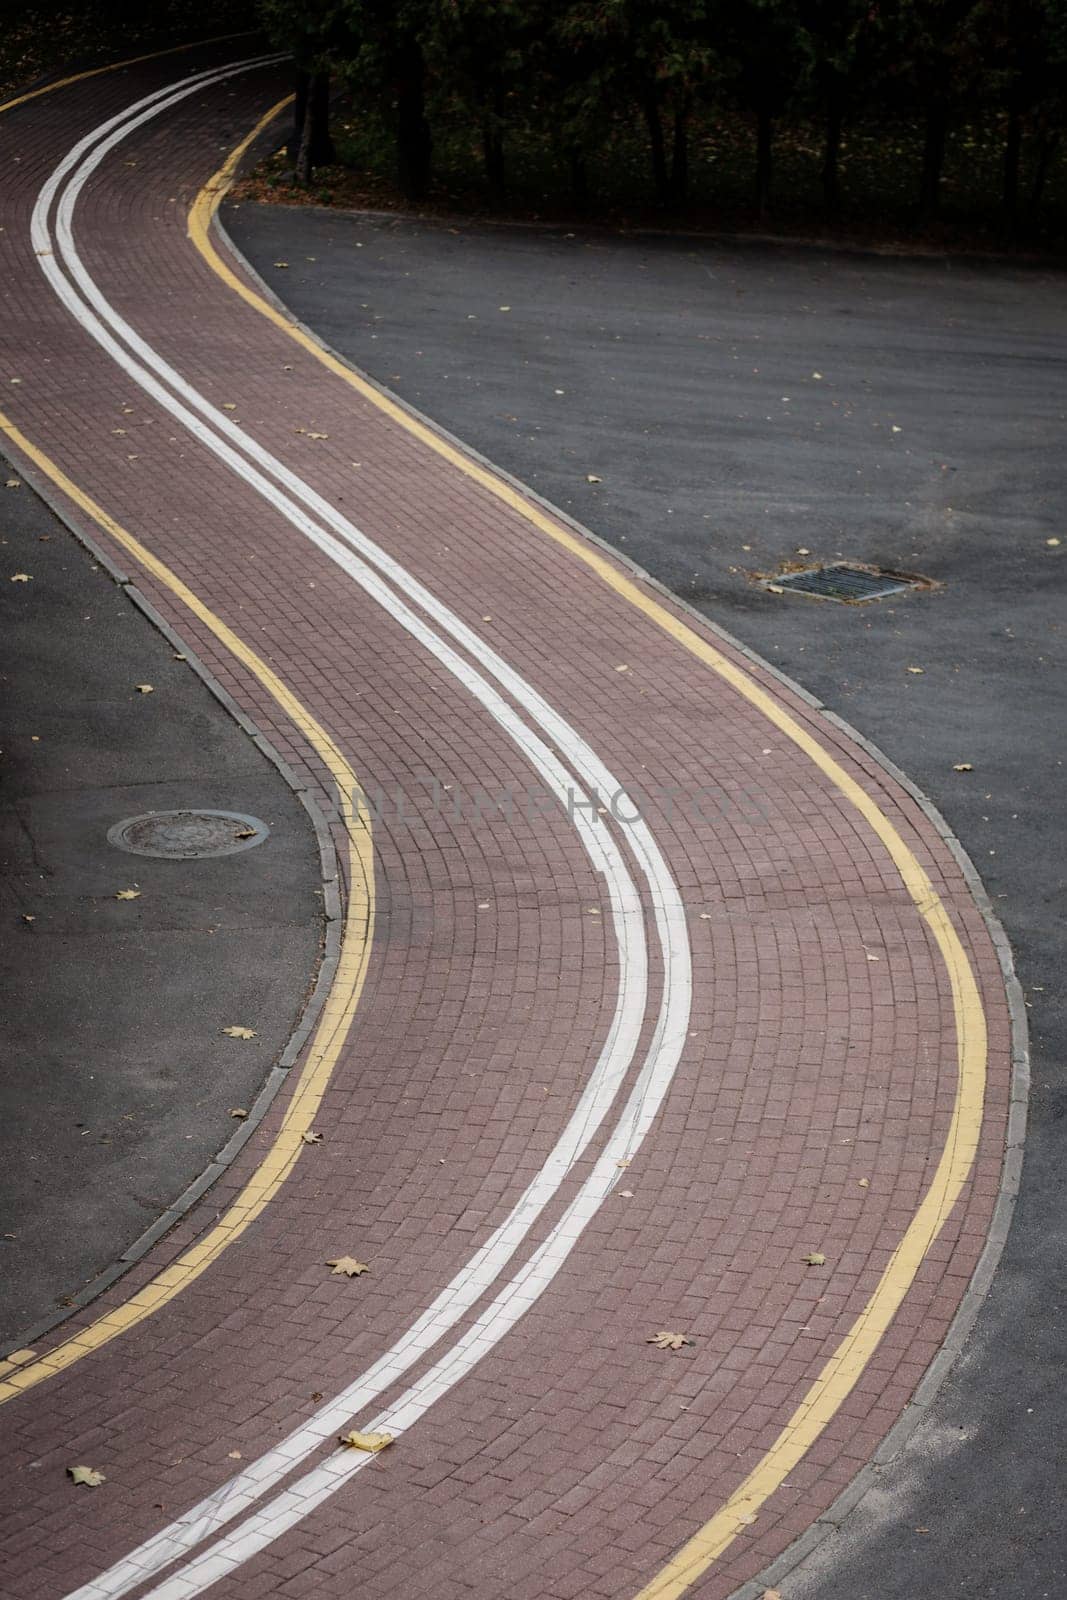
x,y
414,608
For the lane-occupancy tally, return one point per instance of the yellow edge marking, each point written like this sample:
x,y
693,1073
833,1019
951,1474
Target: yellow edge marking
x,y
116,66
841,1372
337,1013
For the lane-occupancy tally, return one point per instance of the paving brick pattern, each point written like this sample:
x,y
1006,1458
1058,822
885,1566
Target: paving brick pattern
x,y
576,1457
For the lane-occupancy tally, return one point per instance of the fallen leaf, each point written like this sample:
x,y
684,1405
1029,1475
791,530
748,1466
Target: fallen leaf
x,y
591,477
16,483
962,766
87,1475
312,1138
145,688
281,263
318,435
864,1183
348,1266
28,916
916,669
245,833
773,1594
179,658
504,308
814,1259
775,588
666,1340
20,577
229,405
623,1163
372,1442
1052,542
128,894
626,1194
239,1112
622,667
239,1033
896,429
234,1455
802,550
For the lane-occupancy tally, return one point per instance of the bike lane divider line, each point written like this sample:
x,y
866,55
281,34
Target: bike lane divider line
x,y
617,1054
671,1029
341,1002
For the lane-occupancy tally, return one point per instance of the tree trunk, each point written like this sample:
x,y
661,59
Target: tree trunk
x,y
301,81
323,153
831,182
303,155
659,155
579,175
680,155
1046,149
414,145
933,158
1012,151
311,145
764,137
493,154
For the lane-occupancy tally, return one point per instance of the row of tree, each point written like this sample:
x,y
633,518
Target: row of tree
x,y
577,71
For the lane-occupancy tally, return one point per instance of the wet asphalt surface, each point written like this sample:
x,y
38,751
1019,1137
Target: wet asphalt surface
x,y
117,1083
745,407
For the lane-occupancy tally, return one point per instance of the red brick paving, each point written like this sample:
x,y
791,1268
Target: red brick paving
x,y
575,1458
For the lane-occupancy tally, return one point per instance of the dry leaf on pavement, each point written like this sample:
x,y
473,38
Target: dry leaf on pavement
x,y
348,1265
962,766
239,1112
311,1138
88,1476
239,1033
814,1259
665,1340
145,688
21,577
128,894
373,1442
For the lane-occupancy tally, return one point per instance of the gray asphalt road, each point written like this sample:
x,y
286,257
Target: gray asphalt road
x,y
739,405
117,1082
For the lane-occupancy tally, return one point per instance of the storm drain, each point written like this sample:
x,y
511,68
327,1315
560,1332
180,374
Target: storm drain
x,y
188,835
840,581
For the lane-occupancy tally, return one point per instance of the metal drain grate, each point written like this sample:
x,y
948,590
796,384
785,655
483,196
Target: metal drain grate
x,y
843,582
188,835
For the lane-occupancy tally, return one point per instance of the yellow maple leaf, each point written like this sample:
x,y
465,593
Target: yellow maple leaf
x,y
128,894
239,1033
372,1442
665,1340
87,1476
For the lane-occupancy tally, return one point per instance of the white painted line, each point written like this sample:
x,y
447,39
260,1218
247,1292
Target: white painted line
x,y
653,1081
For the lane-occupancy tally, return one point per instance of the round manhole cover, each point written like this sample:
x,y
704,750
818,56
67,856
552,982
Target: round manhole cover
x,y
187,835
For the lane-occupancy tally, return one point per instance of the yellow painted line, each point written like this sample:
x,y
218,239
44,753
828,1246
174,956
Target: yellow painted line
x,y
841,1372
337,1012
115,66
